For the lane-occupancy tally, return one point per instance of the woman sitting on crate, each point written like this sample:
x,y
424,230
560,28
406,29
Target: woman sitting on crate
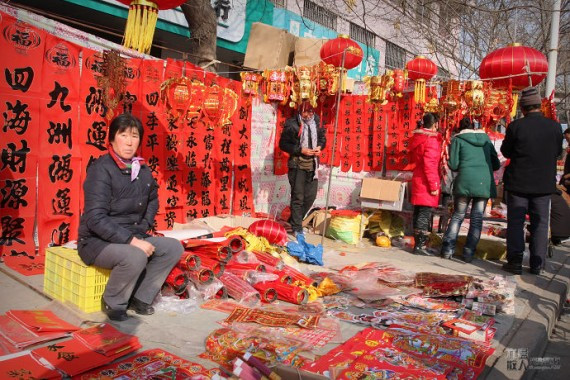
x,y
474,157
121,201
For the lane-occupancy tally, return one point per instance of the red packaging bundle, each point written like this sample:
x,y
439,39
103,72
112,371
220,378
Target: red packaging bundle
x,y
177,280
266,291
201,276
289,293
236,243
238,289
189,261
269,259
214,265
214,251
296,275
237,267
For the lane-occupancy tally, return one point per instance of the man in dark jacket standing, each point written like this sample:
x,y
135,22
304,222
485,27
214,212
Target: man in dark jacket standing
x,y
303,139
533,144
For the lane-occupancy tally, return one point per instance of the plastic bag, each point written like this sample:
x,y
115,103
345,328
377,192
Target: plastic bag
x,y
345,228
305,252
175,304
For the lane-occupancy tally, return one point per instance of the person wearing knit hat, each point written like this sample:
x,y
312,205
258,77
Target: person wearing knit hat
x,y
533,144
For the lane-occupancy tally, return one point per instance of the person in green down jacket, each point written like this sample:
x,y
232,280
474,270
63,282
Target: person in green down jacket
x,y
474,158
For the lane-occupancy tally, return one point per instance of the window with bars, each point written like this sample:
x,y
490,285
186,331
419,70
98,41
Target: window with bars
x,y
362,35
279,3
319,14
395,56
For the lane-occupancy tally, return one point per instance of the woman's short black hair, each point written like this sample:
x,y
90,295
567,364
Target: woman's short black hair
x,y
428,120
123,122
567,131
465,123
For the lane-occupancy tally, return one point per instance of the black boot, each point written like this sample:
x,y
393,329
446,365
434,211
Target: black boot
x,y
514,266
113,314
141,307
421,238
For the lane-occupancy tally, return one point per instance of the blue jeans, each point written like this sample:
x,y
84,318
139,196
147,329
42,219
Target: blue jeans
x,y
475,226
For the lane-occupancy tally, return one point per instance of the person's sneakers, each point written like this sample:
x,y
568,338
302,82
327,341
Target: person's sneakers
x,y
513,268
467,258
113,314
537,271
141,307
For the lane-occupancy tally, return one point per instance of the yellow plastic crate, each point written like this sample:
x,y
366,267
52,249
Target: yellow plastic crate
x,y
67,278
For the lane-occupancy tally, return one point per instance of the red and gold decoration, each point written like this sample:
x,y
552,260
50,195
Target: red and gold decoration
x,y
474,97
219,105
420,70
304,87
113,81
400,77
276,87
379,87
250,83
548,107
141,21
182,96
331,52
327,80
451,95
514,68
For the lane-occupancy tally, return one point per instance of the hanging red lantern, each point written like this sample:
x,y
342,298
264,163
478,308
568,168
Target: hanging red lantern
x,y
141,21
182,97
511,64
331,52
420,70
400,77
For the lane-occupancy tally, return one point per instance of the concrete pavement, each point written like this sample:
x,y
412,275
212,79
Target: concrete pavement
x,y
538,304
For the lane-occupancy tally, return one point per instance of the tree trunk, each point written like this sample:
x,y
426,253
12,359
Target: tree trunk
x,y
202,23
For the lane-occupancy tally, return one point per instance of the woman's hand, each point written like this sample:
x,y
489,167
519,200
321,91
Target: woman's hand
x,y
146,247
434,192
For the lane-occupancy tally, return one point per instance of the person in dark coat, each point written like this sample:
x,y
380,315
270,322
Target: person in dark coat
x,y
565,179
121,201
533,144
303,139
474,158
425,152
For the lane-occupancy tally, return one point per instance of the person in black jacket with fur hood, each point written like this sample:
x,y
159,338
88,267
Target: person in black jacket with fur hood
x,y
121,201
303,139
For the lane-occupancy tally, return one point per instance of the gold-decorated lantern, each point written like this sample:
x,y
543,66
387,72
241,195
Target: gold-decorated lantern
x,y
451,95
400,77
327,79
141,21
276,86
182,96
219,105
304,87
420,70
379,86
497,104
474,97
250,83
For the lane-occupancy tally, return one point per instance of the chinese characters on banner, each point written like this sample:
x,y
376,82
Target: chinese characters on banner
x,y
20,91
55,124
59,168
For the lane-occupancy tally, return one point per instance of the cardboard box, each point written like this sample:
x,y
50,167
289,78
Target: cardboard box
x,y
382,194
308,51
269,47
